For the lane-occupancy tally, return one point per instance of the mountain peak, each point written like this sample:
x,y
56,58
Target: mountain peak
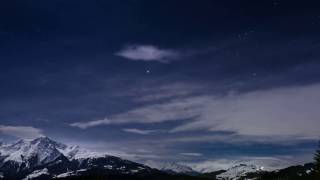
x,y
43,149
45,157
47,141
42,138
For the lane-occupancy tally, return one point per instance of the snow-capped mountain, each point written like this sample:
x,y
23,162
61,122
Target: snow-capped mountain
x,y
239,171
171,167
29,159
235,169
243,171
264,163
43,158
31,152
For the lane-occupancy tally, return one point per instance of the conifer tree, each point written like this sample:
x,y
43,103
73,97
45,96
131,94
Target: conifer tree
x,y
317,161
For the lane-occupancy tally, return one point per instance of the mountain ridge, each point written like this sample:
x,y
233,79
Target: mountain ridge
x,y
25,157
43,158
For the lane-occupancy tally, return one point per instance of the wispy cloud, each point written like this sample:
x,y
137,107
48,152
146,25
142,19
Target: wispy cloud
x,y
85,125
157,113
167,91
282,112
170,111
21,131
290,111
191,154
138,131
148,53
236,139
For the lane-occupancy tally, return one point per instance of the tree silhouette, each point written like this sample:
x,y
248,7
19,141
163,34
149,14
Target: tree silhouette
x,y
317,161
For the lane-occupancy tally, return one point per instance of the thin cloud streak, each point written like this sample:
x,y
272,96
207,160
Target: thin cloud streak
x,y
283,112
138,131
277,112
171,111
85,125
147,53
191,154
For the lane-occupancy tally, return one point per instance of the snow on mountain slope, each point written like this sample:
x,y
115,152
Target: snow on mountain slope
x,y
170,167
266,163
239,171
43,156
37,173
42,150
76,152
70,173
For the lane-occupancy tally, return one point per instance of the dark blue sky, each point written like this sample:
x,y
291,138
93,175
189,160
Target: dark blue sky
x,y
169,80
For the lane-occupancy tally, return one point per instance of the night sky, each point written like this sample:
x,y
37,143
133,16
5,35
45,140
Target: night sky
x,y
167,80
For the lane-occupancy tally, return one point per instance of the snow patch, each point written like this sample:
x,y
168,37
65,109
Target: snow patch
x,y
308,171
108,167
82,170
238,171
70,173
174,167
262,163
75,152
37,173
63,175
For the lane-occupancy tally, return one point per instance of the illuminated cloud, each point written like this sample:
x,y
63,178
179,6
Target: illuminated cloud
x,y
21,131
147,53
